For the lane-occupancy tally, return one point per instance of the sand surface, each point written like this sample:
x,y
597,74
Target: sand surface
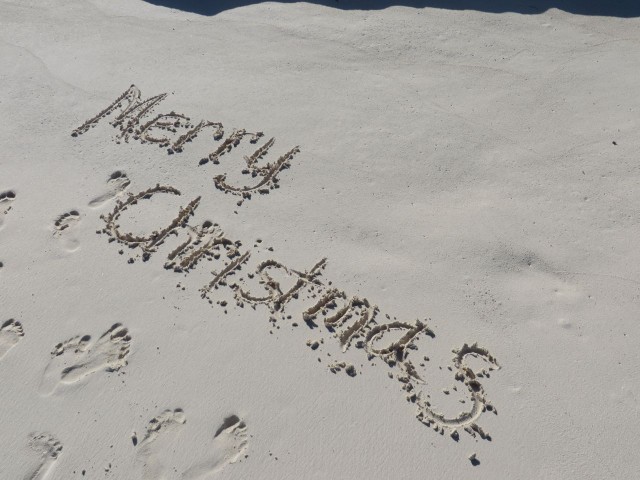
x,y
318,243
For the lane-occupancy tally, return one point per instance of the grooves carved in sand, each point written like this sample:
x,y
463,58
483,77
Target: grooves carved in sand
x,y
349,319
174,130
77,358
48,448
11,332
352,320
148,243
229,144
206,241
470,379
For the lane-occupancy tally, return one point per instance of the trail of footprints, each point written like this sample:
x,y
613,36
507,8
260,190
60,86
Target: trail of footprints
x,y
156,449
77,358
64,224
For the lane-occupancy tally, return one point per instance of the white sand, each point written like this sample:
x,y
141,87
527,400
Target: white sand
x,y
457,167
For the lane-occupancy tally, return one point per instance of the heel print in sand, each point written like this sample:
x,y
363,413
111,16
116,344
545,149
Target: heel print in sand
x,y
47,449
76,358
11,333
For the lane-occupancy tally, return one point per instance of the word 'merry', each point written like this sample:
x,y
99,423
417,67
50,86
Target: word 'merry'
x,y
173,131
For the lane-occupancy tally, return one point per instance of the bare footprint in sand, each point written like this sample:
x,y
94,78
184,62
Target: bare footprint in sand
x,y
10,334
48,448
117,183
76,359
157,441
229,445
63,228
6,199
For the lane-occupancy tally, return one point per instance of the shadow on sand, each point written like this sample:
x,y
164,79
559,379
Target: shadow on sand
x,y
605,8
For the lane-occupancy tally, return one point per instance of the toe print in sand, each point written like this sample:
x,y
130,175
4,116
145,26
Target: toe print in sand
x,y
157,448
76,359
6,203
45,451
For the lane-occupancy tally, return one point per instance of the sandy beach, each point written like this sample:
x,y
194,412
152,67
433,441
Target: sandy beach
x,y
355,240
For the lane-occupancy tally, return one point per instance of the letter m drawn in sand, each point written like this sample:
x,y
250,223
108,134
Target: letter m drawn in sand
x,y
129,109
